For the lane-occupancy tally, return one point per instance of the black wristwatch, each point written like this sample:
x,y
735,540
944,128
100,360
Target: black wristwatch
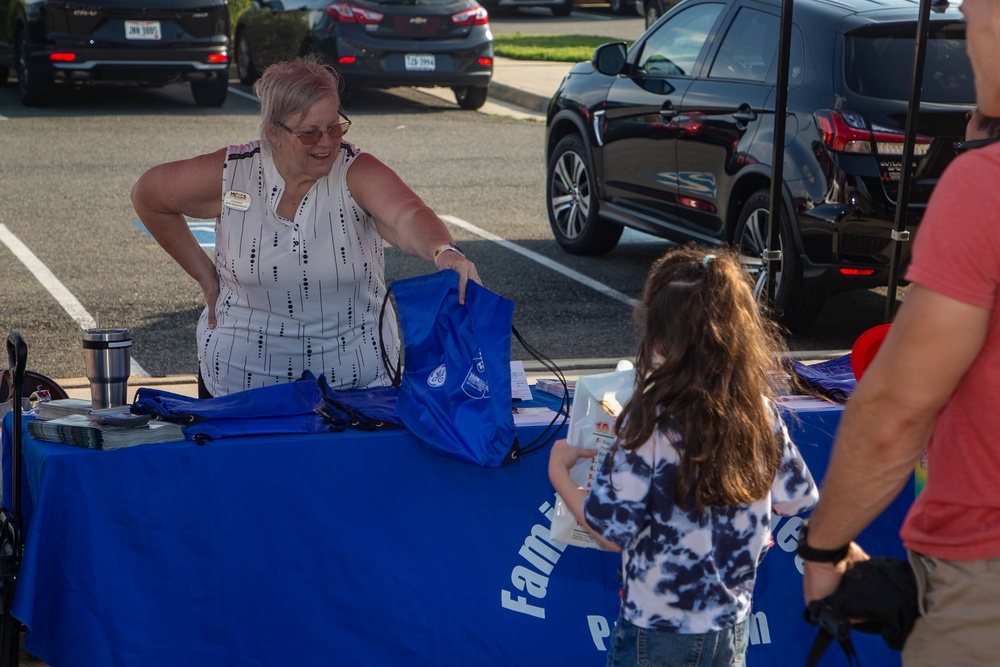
x,y
807,552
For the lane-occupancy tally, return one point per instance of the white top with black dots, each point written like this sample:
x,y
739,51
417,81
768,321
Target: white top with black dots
x,y
295,295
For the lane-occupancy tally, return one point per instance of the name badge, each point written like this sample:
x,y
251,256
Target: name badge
x,y
236,200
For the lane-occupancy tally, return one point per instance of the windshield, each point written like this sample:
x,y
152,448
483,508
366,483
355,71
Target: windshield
x,y
879,63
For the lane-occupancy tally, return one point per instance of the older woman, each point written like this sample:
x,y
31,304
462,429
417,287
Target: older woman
x,y
298,278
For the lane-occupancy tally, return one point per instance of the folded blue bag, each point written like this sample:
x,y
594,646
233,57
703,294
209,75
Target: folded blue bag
x,y
454,394
291,407
833,378
364,409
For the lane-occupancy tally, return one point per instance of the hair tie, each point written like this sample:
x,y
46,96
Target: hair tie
x,y
706,259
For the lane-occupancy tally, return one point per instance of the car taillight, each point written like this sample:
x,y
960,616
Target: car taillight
x,y
218,58
344,12
848,132
62,57
474,16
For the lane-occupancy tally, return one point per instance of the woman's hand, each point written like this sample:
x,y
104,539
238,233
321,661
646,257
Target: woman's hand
x,y
465,269
211,290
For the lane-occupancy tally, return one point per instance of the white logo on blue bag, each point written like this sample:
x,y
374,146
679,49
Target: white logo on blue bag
x,y
474,385
437,377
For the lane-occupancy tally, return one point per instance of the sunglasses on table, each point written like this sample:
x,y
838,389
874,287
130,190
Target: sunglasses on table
x,y
310,137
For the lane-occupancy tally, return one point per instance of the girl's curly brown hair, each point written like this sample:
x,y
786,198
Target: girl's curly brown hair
x,y
704,365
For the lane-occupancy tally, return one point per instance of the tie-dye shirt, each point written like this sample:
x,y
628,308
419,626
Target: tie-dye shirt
x,y
688,572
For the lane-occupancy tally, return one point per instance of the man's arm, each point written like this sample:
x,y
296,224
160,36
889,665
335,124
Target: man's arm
x,y
889,419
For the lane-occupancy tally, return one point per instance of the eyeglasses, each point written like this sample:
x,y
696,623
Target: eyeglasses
x,y
962,146
310,137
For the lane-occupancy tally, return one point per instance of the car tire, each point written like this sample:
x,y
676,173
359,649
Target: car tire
x,y
571,199
471,98
563,9
211,92
622,7
246,69
35,87
796,304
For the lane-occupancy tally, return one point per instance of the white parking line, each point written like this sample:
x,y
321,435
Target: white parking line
x,y
59,292
240,93
543,260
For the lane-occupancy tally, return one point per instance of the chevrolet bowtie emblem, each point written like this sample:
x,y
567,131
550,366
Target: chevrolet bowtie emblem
x,y
418,20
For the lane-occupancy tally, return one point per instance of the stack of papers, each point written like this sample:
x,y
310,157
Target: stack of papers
x,y
62,407
534,416
555,387
807,403
81,431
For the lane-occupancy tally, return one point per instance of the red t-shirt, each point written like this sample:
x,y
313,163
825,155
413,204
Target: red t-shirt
x,y
957,254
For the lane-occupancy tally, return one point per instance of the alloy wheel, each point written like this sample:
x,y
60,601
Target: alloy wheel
x,y
571,195
753,243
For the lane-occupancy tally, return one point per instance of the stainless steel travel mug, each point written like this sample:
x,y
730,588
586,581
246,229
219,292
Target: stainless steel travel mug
x,y
109,364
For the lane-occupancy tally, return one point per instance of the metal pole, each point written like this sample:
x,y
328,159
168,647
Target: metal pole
x,y
899,233
772,253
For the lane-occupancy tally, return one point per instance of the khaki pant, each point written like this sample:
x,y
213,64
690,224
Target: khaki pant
x,y
959,624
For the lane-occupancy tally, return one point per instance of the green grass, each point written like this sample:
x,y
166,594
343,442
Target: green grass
x,y
555,48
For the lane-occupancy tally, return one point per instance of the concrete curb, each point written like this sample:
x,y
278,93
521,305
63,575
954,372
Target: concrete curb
x,y
521,98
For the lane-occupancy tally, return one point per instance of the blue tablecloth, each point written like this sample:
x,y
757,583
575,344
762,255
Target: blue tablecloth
x,y
347,549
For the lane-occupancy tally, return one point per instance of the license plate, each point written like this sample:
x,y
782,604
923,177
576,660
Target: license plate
x,y
420,62
142,30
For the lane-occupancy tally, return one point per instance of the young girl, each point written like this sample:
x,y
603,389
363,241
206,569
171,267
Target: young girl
x,y
701,460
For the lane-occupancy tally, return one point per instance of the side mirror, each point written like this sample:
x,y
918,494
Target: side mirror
x,y
609,58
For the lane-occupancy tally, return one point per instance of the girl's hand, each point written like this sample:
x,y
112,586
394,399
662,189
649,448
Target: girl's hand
x,y
565,456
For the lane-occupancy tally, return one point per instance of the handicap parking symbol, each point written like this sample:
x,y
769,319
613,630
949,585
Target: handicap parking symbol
x,y
203,230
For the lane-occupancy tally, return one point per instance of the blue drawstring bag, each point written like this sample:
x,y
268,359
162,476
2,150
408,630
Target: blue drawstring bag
x,y
833,378
370,409
454,393
291,407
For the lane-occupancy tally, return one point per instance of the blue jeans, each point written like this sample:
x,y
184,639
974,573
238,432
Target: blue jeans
x,y
632,646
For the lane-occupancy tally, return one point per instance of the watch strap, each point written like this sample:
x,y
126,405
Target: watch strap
x,y
806,552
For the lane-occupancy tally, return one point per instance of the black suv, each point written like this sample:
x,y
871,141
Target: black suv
x,y
147,42
674,137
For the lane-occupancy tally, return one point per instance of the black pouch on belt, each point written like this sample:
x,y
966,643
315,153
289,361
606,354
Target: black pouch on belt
x,y
879,594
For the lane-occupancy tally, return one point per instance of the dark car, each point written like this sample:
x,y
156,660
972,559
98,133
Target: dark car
x,y
558,7
375,43
674,137
149,43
